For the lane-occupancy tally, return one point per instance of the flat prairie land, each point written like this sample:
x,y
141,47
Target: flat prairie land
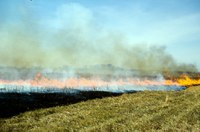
x,y
142,111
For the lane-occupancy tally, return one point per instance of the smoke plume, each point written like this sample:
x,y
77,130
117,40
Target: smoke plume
x,y
77,39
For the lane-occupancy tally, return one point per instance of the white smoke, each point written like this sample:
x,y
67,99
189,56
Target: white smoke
x,y
76,37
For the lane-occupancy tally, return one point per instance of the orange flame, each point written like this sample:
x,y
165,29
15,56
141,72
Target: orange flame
x,y
41,81
187,81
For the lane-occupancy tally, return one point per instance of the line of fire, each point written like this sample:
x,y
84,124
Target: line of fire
x,y
106,78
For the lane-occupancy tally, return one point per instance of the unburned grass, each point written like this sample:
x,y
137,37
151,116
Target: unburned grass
x,y
143,111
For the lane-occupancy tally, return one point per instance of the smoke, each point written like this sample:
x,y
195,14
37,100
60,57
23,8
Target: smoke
x,y
77,38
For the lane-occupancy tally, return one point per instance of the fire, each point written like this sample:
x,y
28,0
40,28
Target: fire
x,y
184,81
41,81
187,81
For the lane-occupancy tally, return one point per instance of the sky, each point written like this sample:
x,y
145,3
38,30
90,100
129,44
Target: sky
x,y
174,24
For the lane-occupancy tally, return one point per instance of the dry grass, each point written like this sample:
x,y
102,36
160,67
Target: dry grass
x,y
163,111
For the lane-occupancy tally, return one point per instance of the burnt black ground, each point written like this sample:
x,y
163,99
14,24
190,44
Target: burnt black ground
x,y
12,104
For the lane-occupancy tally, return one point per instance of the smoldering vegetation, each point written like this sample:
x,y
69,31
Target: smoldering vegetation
x,y
77,40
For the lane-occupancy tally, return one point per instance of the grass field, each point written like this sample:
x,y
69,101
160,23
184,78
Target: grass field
x,y
148,110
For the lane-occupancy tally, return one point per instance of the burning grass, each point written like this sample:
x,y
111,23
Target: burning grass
x,y
148,110
45,81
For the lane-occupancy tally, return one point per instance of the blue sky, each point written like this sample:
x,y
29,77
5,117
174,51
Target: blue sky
x,y
171,23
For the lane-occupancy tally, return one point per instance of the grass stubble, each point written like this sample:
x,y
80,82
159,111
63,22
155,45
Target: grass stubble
x,y
142,111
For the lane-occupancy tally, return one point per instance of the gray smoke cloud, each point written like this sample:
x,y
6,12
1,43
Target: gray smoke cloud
x,y
77,39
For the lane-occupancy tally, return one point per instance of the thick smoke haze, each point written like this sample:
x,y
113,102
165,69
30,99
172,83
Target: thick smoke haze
x,y
77,39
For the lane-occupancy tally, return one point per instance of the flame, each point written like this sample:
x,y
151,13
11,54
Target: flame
x,y
41,81
187,81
